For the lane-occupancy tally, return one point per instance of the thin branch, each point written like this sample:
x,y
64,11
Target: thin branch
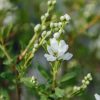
x,y
5,52
21,56
90,24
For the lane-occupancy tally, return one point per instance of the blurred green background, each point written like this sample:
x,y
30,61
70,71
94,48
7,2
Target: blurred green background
x,y
82,34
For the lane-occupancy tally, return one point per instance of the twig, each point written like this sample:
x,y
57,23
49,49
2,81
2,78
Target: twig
x,y
5,52
21,56
87,26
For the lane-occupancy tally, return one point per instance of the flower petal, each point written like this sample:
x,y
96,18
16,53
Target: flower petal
x,y
50,50
50,57
54,44
66,56
63,47
97,96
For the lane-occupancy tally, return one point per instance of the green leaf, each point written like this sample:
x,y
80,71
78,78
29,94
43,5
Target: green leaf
x,y
4,95
43,97
59,92
7,62
27,82
68,76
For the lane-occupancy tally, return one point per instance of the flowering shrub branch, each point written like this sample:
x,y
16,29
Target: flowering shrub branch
x,y
48,35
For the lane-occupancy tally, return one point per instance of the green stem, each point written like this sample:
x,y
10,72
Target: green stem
x,y
5,52
54,74
29,45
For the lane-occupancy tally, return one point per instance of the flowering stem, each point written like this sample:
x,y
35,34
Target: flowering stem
x,y
28,46
54,72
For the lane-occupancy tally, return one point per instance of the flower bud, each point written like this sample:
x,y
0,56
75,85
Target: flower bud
x,y
56,35
76,88
62,18
35,45
44,33
33,79
49,3
46,14
84,86
51,25
67,17
37,27
87,82
83,81
48,33
60,24
33,49
61,31
88,75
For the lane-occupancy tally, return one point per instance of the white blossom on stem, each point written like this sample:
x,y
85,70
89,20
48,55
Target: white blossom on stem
x,y
57,50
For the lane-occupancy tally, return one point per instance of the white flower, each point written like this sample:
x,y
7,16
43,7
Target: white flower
x,y
97,96
57,50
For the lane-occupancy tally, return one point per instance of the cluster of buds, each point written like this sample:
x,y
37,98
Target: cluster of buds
x,y
33,80
66,17
58,28
85,83
44,17
51,4
35,46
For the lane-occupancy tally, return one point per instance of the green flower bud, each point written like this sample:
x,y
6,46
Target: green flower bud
x,y
60,24
83,81
62,18
48,33
35,45
37,27
46,14
89,75
87,82
44,33
56,35
84,86
51,25
33,79
49,3
33,49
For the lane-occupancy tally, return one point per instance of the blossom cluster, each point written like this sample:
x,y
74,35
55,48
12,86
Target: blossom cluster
x,y
85,83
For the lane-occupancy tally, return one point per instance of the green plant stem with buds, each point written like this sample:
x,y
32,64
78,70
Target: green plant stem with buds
x,y
29,45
